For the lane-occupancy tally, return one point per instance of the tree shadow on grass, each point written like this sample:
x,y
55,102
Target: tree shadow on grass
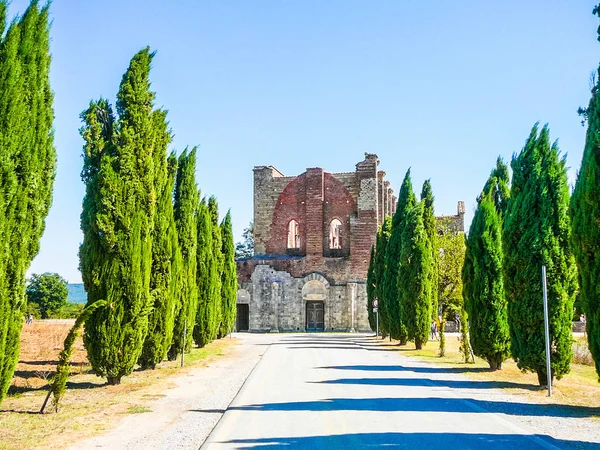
x,y
411,441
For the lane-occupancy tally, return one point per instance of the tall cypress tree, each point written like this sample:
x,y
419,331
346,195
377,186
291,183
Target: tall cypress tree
x,y
228,277
166,261
383,237
392,299
429,224
585,220
186,202
371,284
537,233
414,277
483,284
117,221
216,271
27,166
205,282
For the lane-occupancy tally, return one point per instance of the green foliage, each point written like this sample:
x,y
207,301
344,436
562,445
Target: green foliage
x,y
483,285
383,237
537,233
414,277
186,203
166,261
585,220
215,271
204,315
27,165
245,248
228,278
58,384
118,220
371,284
392,299
429,224
47,290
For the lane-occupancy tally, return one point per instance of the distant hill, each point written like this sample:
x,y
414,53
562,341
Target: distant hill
x,y
77,293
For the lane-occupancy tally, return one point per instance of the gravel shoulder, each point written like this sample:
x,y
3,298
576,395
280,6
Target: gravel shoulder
x,y
186,415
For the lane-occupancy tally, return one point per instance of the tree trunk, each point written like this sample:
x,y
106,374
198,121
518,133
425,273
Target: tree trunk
x,y
113,381
418,345
493,364
543,378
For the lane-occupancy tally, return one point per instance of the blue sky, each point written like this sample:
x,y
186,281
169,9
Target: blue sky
x,y
443,87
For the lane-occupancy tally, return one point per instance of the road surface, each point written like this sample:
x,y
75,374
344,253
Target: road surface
x,y
342,391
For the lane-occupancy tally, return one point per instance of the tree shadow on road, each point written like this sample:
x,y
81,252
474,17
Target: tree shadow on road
x,y
428,382
409,369
411,441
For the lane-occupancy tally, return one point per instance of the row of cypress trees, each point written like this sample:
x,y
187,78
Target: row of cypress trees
x,y
403,268
27,165
152,250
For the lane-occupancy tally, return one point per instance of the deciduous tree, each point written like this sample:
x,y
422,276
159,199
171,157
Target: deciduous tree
x,y
48,291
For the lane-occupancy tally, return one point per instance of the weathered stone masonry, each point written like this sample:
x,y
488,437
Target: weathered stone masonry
x,y
312,240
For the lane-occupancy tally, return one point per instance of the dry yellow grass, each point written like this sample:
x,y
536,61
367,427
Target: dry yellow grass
x,y
90,406
578,388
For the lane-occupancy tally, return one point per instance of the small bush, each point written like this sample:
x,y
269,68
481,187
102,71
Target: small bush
x,y
581,353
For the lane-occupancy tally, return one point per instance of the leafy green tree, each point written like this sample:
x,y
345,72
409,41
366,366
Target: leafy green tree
x,y
228,278
48,291
392,299
27,165
245,248
450,248
117,221
205,277
414,277
537,233
166,260
585,220
186,203
216,270
371,285
429,224
383,237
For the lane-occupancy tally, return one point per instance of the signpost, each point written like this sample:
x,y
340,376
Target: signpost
x,y
376,311
547,329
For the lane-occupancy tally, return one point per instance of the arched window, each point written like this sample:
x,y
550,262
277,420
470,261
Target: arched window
x,y
293,234
335,234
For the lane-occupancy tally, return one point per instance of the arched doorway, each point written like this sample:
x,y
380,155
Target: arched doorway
x,y
314,294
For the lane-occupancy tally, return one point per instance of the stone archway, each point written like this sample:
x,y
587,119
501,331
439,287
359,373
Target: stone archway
x,y
314,297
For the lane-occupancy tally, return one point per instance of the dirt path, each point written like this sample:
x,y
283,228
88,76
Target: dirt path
x,y
185,416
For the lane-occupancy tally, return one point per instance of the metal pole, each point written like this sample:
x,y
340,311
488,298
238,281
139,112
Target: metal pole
x,y
377,322
547,330
183,340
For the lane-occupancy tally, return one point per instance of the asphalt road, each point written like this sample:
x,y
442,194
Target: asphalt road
x,y
341,391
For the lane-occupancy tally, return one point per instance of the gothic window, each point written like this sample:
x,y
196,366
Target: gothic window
x,y
293,235
335,234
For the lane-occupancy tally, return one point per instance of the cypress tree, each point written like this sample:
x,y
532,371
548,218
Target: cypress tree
x,y
429,224
392,299
216,271
371,284
414,277
383,237
205,282
186,202
117,221
536,233
166,261
585,220
27,166
228,278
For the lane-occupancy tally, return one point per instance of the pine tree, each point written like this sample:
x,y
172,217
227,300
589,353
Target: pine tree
x,y
118,220
186,201
536,233
27,166
392,299
383,237
371,284
414,277
585,220
205,282
429,224
228,277
216,271
483,284
166,261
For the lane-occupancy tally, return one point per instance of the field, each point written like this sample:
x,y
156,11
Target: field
x,y
90,406
578,388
